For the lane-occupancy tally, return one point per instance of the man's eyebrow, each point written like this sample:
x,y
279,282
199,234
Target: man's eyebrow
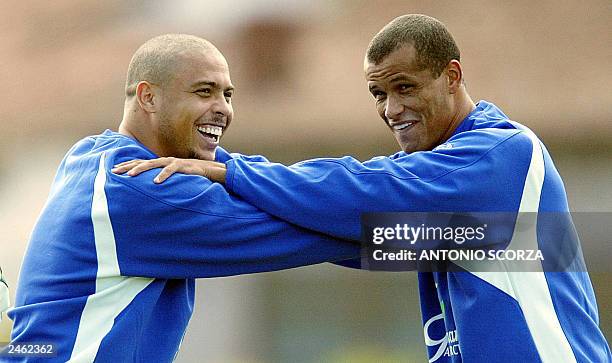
x,y
211,84
401,78
204,83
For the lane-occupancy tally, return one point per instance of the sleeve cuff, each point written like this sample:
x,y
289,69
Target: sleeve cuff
x,y
229,174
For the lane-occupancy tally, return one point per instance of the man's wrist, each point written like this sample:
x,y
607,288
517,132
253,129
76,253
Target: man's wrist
x,y
220,172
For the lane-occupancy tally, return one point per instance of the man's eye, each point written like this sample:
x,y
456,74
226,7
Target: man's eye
x,y
228,95
379,95
203,91
405,87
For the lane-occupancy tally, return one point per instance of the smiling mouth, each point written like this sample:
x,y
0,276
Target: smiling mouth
x,y
403,125
212,132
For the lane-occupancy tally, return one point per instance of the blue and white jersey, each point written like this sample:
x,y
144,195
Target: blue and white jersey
x,y
490,164
109,271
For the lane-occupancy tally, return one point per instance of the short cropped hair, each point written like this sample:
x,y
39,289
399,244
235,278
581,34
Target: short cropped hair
x,y
434,44
156,59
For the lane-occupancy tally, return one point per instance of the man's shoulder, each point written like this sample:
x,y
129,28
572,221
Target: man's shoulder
x,y
116,148
486,140
488,127
470,146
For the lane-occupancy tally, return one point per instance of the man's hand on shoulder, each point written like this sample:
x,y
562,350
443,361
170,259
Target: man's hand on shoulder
x,y
212,170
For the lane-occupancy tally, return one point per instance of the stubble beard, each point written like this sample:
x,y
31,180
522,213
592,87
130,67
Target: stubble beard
x,y
170,138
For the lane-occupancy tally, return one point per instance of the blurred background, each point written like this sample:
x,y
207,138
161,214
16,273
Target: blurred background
x,y
298,69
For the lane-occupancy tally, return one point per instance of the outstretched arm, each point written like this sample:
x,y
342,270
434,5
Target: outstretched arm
x,y
190,227
213,170
483,171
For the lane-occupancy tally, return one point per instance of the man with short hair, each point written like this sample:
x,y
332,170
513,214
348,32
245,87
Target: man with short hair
x,y
109,271
456,156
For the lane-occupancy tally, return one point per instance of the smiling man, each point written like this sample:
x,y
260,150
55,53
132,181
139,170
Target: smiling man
x,y
456,156
109,271
421,106
178,97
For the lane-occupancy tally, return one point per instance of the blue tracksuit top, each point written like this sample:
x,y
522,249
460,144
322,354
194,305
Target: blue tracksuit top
x,y
108,274
490,164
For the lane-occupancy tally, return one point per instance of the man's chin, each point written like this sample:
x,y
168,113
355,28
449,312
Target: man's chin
x,y
407,147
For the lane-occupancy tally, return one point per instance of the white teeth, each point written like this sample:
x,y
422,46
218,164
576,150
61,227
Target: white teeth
x,y
402,126
214,130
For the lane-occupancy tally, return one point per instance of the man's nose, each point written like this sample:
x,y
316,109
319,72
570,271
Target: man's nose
x,y
393,108
222,107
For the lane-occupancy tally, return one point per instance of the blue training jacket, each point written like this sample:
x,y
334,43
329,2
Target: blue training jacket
x,y
490,164
109,271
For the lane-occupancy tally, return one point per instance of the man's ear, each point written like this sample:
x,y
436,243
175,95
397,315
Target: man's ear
x,y
148,96
454,75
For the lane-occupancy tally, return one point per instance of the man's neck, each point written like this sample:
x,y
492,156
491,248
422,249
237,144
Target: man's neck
x,y
124,130
135,129
465,106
